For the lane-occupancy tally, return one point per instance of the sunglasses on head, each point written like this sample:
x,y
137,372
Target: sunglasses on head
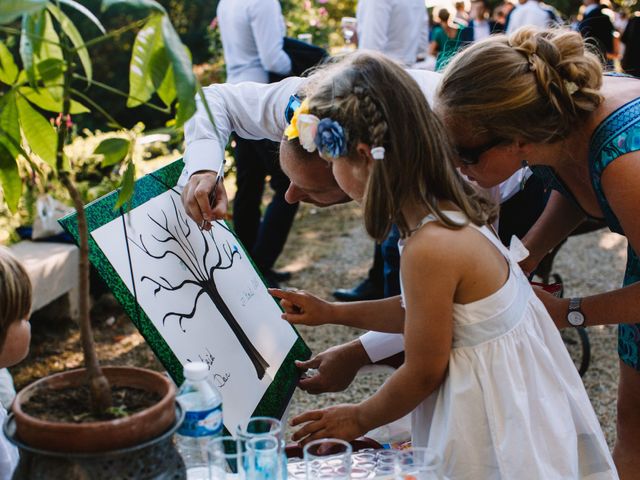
x,y
471,156
292,106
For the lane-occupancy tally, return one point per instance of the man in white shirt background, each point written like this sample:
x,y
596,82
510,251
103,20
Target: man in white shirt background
x,y
531,12
252,33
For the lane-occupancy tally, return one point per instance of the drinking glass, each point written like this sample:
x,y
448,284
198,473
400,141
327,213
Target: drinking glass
x,y
328,458
348,25
306,37
226,461
263,459
418,463
263,428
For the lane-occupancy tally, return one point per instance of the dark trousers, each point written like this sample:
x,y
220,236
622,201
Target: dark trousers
x,y
385,271
264,239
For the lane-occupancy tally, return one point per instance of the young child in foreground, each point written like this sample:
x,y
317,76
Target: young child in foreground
x,y
486,374
15,335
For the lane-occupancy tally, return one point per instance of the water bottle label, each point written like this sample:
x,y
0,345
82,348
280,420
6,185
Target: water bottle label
x,y
202,423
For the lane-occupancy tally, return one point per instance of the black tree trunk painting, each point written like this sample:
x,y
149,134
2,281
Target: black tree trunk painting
x,y
178,239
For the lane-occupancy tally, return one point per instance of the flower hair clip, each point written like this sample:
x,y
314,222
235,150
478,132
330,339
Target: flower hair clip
x,y
326,135
571,87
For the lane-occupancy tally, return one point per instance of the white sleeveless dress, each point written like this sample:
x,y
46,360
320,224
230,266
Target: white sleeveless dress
x,y
512,405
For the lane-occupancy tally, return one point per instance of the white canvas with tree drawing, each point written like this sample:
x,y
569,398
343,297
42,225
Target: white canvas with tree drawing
x,y
203,295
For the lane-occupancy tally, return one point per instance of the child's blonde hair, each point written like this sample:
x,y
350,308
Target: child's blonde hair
x,y
15,292
379,104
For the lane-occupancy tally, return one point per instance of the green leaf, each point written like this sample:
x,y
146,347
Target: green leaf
x,y
85,11
127,187
9,122
184,79
10,10
40,135
144,75
137,4
167,89
27,33
44,100
114,150
50,69
10,179
72,32
49,47
8,67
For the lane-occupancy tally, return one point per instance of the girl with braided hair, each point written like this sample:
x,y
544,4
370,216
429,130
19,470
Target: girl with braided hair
x,y
540,98
486,375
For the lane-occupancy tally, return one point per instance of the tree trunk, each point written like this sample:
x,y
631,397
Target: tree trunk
x,y
257,360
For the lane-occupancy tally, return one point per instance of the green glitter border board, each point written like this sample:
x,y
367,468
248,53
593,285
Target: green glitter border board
x,y
194,295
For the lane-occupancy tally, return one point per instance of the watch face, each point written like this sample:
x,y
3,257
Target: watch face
x,y
575,318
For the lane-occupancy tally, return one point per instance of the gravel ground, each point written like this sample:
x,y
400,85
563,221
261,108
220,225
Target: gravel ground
x,y
590,263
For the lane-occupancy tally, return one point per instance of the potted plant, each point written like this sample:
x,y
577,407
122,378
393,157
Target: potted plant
x,y
55,57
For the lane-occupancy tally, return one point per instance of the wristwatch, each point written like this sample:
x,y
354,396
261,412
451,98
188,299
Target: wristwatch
x,y
575,317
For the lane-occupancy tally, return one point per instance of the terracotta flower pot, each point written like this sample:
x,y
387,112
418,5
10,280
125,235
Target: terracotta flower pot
x,y
100,436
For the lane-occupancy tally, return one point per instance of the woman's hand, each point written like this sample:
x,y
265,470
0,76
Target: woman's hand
x,y
340,421
303,308
557,307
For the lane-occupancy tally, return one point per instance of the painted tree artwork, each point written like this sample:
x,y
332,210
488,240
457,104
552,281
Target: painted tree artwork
x,y
203,295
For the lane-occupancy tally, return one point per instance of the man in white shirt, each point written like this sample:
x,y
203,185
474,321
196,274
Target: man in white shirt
x,y
252,33
397,28
258,111
530,12
255,111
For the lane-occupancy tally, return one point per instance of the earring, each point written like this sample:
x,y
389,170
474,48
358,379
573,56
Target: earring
x,y
523,174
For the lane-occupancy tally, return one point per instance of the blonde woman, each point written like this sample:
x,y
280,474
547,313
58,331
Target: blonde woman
x,y
539,98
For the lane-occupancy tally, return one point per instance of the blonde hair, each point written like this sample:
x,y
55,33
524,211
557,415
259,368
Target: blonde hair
x,y
533,84
15,292
379,104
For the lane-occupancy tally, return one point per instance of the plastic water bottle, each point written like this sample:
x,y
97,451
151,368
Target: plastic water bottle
x,y
202,404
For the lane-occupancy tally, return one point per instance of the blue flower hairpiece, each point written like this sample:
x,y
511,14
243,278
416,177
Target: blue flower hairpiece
x,y
330,138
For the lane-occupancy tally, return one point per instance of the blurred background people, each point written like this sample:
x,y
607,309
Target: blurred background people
x,y
480,24
631,38
445,39
252,33
596,27
532,13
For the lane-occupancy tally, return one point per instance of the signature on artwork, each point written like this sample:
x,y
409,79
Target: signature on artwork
x,y
208,359
221,380
249,292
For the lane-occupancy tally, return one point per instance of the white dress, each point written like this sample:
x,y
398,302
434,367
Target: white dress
x,y
512,405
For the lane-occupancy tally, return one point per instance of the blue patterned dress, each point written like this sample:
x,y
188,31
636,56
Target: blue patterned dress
x,y
617,135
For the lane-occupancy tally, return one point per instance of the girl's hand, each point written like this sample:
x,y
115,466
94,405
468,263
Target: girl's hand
x,y
303,308
340,421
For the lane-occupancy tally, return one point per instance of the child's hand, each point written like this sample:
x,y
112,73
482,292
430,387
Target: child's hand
x,y
341,421
303,308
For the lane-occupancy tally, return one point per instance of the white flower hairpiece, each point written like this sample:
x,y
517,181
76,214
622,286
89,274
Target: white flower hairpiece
x,y
307,130
571,87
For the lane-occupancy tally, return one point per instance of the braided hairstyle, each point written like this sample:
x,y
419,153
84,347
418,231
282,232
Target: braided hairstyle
x,y
533,84
378,103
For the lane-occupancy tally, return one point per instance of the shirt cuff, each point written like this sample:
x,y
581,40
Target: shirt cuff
x,y
203,154
382,345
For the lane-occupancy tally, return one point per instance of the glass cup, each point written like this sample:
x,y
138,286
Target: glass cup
x,y
328,458
262,428
348,26
306,37
263,459
418,463
226,461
